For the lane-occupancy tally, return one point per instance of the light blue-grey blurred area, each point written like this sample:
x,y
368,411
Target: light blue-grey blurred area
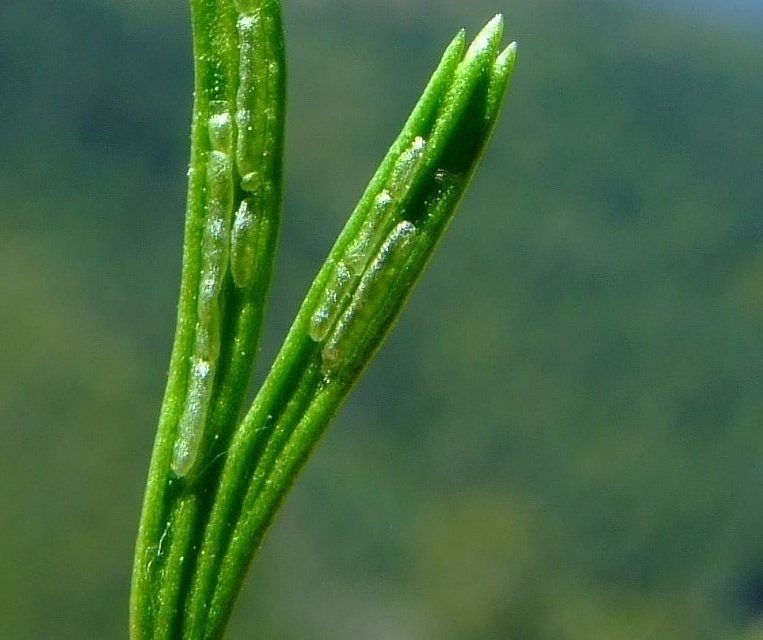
x,y
562,439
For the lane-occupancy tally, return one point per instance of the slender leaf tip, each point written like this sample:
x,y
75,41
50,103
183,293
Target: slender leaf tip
x,y
507,57
485,41
501,73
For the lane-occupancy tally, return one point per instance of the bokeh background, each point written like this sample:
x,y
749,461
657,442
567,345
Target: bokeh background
x,y
562,439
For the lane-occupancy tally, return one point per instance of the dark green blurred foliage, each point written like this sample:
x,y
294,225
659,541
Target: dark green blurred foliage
x,y
561,441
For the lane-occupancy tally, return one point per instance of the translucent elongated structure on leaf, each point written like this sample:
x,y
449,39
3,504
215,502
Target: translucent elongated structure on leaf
x,y
385,213
215,249
370,234
404,171
249,228
369,303
259,120
194,416
386,206
338,289
260,75
220,127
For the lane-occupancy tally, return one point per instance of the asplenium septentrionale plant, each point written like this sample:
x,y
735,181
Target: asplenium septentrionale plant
x,y
216,478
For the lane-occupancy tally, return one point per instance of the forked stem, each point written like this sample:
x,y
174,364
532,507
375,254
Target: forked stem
x,y
216,480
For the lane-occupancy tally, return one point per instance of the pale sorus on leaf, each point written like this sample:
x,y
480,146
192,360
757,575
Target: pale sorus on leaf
x,y
217,477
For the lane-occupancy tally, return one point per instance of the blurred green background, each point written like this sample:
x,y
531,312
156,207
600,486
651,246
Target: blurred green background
x,y
562,439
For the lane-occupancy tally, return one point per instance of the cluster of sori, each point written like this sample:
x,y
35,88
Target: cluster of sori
x,y
409,203
258,126
240,162
355,291
260,75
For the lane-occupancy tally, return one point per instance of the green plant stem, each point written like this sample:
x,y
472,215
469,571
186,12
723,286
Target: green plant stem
x,y
297,400
175,508
215,480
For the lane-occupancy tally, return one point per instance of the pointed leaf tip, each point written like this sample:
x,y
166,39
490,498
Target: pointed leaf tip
x,y
507,57
457,44
486,41
496,22
503,67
